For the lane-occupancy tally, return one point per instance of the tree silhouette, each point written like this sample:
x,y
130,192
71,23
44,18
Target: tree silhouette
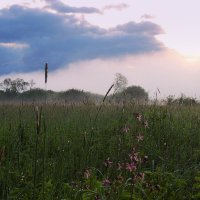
x,y
120,82
14,86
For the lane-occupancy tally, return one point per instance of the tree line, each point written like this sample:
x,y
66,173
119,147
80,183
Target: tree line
x,y
15,86
23,89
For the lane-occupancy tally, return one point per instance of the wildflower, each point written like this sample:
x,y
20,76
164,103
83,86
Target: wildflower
x,y
126,129
138,117
146,124
131,166
106,182
134,156
87,173
108,162
140,137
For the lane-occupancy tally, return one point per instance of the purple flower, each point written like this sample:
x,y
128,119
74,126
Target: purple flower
x,y
134,157
131,166
106,182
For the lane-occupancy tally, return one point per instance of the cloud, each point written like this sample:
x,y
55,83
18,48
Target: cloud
x,y
142,28
63,8
64,39
147,16
165,70
119,7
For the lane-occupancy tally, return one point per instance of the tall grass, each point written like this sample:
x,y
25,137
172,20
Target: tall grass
x,y
43,155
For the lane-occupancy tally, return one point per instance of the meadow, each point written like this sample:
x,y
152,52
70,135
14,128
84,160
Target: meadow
x,y
127,151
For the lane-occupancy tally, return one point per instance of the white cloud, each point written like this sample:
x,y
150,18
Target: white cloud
x,y
147,16
118,7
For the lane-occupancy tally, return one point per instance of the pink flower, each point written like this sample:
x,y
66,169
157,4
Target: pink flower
x,y
131,166
140,137
108,162
134,157
106,182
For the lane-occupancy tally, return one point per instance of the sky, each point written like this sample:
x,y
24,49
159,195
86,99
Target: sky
x,y
154,44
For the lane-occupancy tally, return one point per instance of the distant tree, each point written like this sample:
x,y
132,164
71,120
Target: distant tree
x,y
136,92
73,95
19,85
6,85
14,86
131,93
182,100
120,82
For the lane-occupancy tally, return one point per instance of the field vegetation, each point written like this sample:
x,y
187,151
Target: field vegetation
x,y
77,145
130,151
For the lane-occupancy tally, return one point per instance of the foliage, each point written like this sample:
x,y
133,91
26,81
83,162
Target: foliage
x,y
37,94
136,92
183,100
120,82
196,187
73,95
131,94
14,86
131,152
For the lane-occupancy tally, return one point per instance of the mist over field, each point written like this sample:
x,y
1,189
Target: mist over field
x,y
99,100
86,54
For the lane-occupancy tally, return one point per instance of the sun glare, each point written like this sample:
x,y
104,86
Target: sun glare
x,y
192,59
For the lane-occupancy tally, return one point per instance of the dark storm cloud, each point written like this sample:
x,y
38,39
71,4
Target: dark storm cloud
x,y
63,39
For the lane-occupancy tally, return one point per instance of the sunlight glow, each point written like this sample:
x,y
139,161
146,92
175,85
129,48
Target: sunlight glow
x,y
192,59
13,45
